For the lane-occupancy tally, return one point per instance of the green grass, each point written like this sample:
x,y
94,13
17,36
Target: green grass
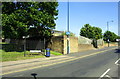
x,y
3,43
55,53
14,56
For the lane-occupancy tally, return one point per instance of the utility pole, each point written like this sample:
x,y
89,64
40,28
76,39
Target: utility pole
x,y
108,35
68,32
108,40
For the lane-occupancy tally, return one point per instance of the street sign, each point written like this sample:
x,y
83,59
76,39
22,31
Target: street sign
x,y
67,33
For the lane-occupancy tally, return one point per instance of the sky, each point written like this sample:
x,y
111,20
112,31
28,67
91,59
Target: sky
x,y
94,13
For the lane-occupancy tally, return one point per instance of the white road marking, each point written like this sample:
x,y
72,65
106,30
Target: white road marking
x,y
104,73
108,76
117,61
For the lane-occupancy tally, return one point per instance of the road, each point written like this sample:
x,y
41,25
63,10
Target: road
x,y
97,66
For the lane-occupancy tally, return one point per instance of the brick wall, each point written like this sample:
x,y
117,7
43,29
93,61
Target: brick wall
x,y
73,44
84,47
65,45
57,44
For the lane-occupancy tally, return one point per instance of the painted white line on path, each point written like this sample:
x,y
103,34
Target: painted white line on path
x,y
117,61
104,73
108,76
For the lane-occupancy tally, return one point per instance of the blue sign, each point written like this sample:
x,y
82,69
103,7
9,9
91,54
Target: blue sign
x,y
67,33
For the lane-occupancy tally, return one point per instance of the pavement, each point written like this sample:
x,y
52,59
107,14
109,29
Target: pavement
x,y
29,64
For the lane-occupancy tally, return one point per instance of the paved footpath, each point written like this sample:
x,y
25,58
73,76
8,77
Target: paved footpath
x,y
22,65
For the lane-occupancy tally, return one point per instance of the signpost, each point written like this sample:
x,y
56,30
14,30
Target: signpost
x,y
67,33
108,30
68,42
118,40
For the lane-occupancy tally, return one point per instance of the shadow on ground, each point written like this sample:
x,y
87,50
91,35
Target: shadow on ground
x,y
117,50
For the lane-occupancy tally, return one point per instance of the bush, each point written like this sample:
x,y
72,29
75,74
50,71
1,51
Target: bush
x,y
12,47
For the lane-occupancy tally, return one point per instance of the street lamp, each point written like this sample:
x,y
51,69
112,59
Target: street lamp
x,y
68,33
108,40
24,37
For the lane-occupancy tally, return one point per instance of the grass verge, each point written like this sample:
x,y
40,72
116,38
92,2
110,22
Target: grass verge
x,y
3,43
14,56
55,53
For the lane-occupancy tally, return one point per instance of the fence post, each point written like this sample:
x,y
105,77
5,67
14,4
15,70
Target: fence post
x,y
44,43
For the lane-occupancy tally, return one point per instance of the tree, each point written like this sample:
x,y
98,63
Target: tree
x,y
109,35
91,32
97,32
17,17
118,37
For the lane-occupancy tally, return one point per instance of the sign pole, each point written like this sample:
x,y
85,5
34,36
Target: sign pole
x,y
68,41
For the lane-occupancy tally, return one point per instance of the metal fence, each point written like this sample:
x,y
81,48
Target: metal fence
x,y
23,44
35,44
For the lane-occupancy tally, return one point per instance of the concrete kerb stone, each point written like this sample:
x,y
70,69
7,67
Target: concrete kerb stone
x,y
33,64
29,60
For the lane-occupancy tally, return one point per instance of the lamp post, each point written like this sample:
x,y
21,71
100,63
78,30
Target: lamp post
x,y
68,33
24,37
108,40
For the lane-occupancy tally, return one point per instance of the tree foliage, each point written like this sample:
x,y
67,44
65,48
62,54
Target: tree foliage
x,y
110,35
91,32
17,17
118,37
